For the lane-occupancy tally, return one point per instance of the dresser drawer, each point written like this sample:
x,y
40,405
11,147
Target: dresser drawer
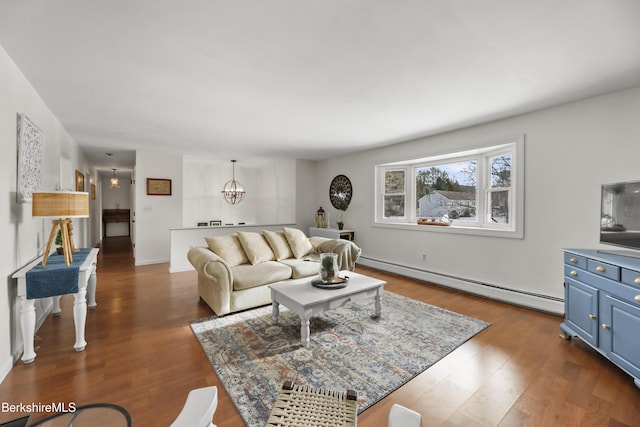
x,y
628,294
575,260
631,277
574,272
603,269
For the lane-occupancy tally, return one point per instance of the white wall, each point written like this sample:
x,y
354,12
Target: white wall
x,y
23,235
270,185
156,215
570,151
279,192
116,199
95,206
306,182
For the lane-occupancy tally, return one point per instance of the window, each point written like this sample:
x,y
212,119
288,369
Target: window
x,y
500,188
394,194
477,191
446,190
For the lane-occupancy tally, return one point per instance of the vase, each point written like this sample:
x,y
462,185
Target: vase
x,y
329,267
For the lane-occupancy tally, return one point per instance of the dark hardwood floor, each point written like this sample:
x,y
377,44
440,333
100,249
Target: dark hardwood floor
x,y
142,355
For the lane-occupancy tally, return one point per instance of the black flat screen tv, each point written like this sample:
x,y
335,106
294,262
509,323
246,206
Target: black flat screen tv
x,y
620,215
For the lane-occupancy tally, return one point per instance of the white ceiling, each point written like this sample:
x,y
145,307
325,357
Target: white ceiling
x,y
307,78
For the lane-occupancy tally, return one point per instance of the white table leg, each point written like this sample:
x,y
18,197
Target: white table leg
x,y
304,328
28,327
378,303
91,289
80,317
304,332
56,305
275,311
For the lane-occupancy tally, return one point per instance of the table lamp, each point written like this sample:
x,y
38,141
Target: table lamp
x,y
62,205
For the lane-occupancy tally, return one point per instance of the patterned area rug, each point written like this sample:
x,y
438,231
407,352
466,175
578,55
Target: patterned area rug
x,y
348,350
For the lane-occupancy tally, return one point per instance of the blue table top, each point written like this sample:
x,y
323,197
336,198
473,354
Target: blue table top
x,y
55,278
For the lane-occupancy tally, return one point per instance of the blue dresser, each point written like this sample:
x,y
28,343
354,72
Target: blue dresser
x,y
602,305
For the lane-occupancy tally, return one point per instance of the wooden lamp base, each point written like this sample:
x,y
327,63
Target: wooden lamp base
x,y
64,225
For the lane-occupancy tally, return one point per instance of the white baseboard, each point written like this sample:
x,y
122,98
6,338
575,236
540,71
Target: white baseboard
x,y
180,268
512,296
150,261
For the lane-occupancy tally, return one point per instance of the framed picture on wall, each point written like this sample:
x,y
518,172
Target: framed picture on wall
x,y
158,187
93,191
79,181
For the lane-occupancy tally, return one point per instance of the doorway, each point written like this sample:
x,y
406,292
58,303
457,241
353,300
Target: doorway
x,y
117,211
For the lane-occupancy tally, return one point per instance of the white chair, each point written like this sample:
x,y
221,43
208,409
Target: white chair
x,y
399,416
198,409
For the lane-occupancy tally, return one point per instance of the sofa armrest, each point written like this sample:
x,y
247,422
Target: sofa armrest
x,y
215,278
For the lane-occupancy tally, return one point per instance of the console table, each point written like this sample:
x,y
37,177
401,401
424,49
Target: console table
x,y
116,215
86,266
602,305
333,233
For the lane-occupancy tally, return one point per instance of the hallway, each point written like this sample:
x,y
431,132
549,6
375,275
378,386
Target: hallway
x,y
116,249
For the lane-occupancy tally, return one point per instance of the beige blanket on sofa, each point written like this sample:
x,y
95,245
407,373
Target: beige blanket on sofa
x,y
348,253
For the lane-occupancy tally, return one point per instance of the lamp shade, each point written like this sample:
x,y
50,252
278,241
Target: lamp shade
x,y
61,204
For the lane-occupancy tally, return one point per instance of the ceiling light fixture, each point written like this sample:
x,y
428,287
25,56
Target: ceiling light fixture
x,y
115,183
233,192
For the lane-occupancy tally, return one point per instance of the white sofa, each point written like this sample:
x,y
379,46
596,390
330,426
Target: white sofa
x,y
233,270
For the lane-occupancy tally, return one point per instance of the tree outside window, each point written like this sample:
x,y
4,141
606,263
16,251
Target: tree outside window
x,y
394,194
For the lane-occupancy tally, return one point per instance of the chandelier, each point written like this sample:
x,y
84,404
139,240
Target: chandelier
x,y
233,192
115,183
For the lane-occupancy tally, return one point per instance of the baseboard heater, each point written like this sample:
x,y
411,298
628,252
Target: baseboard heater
x,y
531,300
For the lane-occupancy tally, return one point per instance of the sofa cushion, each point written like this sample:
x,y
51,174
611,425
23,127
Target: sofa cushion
x,y
228,248
249,276
255,247
278,244
298,242
301,268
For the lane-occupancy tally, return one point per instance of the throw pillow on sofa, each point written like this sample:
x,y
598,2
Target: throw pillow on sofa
x,y
298,241
228,248
255,247
278,243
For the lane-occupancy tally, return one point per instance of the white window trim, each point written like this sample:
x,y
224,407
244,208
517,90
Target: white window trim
x,y
483,228
380,179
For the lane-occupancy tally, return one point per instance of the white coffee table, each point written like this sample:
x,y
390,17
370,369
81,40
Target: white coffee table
x,y
305,300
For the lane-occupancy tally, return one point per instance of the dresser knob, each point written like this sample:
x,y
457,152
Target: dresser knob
x,y
592,317
637,298
605,326
600,268
573,273
573,260
637,281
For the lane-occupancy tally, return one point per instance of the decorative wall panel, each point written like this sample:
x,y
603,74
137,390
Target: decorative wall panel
x,y
30,159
